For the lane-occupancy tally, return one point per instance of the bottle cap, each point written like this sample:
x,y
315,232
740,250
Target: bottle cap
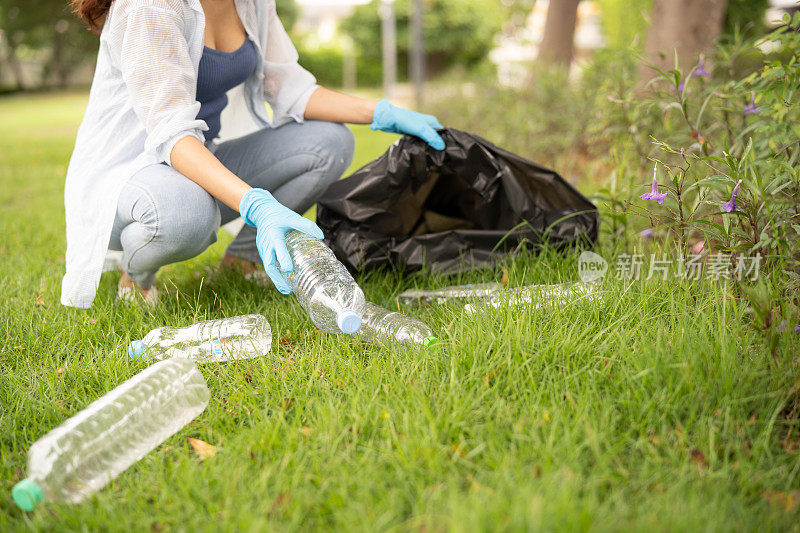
x,y
27,494
348,321
136,349
429,341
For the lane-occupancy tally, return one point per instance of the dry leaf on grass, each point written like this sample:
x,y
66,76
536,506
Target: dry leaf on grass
x,y
698,457
204,450
279,504
60,371
40,301
305,430
786,500
286,403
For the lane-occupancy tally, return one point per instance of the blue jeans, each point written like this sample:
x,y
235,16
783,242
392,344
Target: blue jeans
x,y
164,217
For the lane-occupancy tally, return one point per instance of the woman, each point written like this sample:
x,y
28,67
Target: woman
x,y
146,176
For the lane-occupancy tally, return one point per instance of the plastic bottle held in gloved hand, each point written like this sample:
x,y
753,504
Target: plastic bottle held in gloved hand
x,y
93,447
391,327
239,337
323,286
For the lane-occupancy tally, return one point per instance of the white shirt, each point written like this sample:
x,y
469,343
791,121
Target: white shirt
x,y
142,101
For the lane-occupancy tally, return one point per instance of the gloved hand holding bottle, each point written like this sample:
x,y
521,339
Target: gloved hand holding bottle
x,y
392,119
272,221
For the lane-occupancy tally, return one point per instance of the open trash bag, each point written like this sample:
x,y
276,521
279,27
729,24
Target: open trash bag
x,y
454,210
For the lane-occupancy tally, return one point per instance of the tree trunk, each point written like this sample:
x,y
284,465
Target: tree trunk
x,y
14,65
559,32
689,27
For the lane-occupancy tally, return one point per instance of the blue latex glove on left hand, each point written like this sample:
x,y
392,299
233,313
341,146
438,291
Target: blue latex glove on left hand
x,y
392,119
272,221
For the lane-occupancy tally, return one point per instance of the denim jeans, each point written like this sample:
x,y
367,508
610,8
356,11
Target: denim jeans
x,y
164,217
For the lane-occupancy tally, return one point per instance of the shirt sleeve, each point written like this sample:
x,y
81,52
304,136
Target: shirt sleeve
x,y
153,56
287,85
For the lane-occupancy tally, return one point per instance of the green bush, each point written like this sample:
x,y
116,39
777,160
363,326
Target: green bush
x,y
326,63
708,134
746,16
625,21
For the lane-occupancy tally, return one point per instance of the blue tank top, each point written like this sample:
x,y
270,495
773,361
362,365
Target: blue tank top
x,y
219,72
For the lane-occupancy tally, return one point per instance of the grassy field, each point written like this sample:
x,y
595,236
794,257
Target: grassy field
x,y
659,409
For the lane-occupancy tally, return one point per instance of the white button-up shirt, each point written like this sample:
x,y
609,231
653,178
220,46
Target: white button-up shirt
x,y
142,101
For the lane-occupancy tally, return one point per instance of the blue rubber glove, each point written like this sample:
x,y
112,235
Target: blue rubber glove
x,y
272,221
392,119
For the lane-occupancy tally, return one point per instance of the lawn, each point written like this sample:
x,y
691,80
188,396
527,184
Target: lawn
x,y
657,409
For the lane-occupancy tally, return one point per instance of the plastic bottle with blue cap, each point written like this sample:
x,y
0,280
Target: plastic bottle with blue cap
x,y
323,286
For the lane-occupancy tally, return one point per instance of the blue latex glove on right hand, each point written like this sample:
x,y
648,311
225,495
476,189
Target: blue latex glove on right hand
x,y
272,221
393,119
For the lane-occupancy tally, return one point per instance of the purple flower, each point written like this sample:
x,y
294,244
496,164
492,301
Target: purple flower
x,y
730,205
797,328
679,87
646,233
752,108
654,194
700,69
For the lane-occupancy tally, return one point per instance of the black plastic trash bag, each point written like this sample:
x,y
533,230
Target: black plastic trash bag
x,y
453,210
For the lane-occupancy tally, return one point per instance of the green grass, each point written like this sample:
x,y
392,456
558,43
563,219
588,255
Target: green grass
x,y
659,409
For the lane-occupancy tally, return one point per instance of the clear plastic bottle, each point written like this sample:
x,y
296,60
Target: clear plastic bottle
x,y
449,294
323,286
389,327
93,447
538,296
239,337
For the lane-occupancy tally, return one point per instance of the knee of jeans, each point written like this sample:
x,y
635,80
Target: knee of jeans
x,y
338,145
192,226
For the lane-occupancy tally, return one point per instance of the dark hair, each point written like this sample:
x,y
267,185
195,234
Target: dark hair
x,y
93,12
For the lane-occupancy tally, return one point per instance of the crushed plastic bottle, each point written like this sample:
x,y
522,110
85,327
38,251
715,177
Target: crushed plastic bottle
x,y
323,286
457,293
389,327
93,447
538,296
240,337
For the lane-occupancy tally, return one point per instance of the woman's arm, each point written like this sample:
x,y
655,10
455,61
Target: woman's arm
x,y
191,158
333,106
257,207
325,104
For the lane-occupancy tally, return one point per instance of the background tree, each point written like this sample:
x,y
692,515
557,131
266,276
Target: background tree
x,y
559,32
19,27
456,31
45,25
288,13
688,27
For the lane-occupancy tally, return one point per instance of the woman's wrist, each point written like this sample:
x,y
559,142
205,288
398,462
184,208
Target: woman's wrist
x,y
368,110
333,106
